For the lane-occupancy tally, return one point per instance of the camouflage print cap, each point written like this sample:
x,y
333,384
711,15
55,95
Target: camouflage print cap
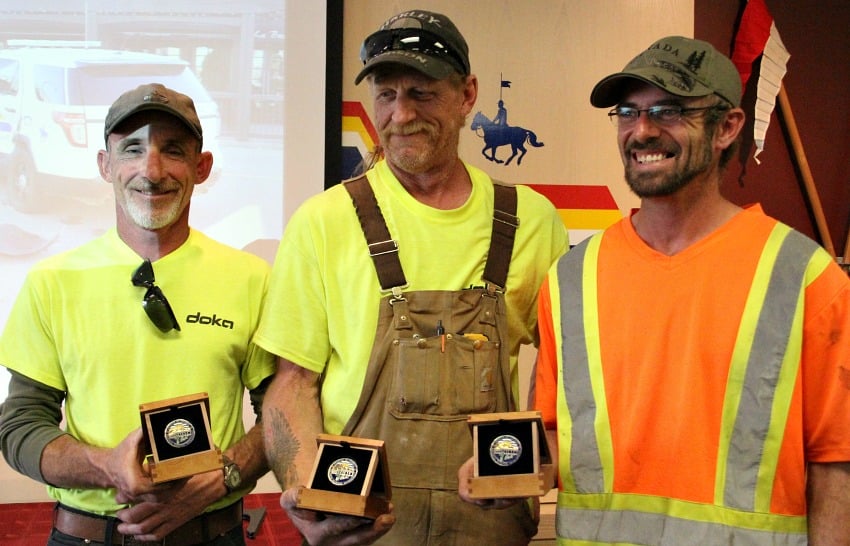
x,y
426,41
153,96
684,67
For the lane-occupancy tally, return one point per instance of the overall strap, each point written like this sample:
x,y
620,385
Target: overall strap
x,y
505,224
382,247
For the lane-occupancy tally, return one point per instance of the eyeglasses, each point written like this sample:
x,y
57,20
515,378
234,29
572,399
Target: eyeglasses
x,y
411,39
154,303
661,114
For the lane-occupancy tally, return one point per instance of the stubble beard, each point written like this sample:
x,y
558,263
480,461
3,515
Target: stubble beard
x,y
661,184
411,161
151,218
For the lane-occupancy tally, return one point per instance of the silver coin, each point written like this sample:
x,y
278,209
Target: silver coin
x,y
505,450
179,433
342,471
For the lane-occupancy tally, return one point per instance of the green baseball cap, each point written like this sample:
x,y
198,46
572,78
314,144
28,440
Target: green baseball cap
x,y
684,67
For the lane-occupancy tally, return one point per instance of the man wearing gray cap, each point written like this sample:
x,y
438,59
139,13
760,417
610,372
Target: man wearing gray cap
x,y
693,360
93,329
401,332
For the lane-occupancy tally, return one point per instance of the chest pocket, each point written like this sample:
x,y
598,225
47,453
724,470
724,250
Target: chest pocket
x,y
449,375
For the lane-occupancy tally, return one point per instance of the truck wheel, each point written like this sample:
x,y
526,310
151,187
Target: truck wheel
x,y
21,187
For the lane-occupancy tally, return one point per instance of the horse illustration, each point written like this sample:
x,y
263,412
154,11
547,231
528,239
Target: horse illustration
x,y
499,135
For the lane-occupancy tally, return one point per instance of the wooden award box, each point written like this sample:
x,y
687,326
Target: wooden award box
x,y
350,477
178,438
511,456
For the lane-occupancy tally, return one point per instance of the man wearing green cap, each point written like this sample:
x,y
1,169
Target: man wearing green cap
x,y
115,323
694,357
401,335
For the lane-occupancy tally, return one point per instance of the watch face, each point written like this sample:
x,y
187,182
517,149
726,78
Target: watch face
x,y
232,477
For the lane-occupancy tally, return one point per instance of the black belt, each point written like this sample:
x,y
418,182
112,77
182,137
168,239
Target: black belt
x,y
198,530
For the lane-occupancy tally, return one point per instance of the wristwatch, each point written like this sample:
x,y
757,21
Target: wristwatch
x,y
232,474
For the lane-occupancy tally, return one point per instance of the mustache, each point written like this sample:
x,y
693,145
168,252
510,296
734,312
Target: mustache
x,y
645,145
149,186
651,144
410,128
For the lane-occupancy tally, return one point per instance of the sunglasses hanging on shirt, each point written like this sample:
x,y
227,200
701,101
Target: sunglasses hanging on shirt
x,y
154,302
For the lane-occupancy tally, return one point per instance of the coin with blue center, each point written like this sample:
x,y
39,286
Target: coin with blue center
x,y
342,471
505,450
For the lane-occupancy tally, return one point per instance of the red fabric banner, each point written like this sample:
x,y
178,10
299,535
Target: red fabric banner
x,y
751,38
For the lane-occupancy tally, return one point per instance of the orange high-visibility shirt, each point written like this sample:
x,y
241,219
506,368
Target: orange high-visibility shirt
x,y
667,327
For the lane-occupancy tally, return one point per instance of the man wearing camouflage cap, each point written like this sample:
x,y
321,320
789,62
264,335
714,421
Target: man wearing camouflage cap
x,y
693,357
378,349
152,310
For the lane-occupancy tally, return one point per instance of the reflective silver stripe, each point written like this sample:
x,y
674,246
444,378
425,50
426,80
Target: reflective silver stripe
x,y
585,460
638,527
763,367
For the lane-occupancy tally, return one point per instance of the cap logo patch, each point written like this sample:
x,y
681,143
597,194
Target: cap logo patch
x,y
155,96
679,78
694,61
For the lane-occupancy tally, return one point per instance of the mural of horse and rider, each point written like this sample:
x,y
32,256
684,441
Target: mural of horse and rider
x,y
497,132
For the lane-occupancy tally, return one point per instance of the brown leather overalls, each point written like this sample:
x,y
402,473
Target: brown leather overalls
x,y
438,356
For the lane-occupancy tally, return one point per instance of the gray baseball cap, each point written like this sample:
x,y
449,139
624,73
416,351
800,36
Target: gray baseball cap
x,y
153,96
424,40
684,67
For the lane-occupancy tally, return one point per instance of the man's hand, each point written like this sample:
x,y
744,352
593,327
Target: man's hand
x,y
464,473
333,530
168,506
125,470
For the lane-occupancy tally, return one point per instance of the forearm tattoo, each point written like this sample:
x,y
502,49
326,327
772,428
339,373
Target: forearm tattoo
x,y
281,448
